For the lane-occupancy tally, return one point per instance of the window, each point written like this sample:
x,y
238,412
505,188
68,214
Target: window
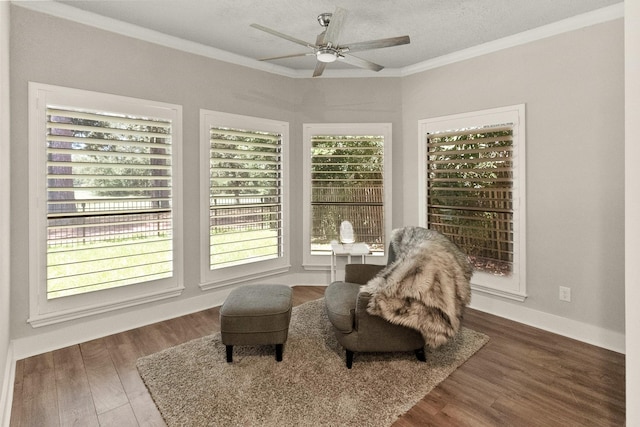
x,y
347,178
104,201
244,229
474,192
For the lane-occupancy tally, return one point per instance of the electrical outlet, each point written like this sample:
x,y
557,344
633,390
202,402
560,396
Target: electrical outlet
x,y
565,294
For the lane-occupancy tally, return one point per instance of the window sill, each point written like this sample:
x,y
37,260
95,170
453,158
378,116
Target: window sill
x,y
317,267
512,295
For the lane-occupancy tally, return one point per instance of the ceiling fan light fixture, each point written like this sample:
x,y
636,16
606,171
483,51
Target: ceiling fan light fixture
x,y
326,55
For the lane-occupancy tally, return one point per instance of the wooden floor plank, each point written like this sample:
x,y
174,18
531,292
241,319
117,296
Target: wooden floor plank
x,y
118,417
17,403
206,322
124,353
468,415
146,412
39,395
522,377
152,338
106,387
74,394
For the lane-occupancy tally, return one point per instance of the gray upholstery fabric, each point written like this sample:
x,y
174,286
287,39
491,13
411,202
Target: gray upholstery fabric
x,y
256,315
361,273
357,330
340,302
376,334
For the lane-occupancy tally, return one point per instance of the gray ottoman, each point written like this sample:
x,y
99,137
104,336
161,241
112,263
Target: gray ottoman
x,y
256,315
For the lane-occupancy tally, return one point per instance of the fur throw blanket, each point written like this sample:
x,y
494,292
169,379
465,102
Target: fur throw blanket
x,y
425,288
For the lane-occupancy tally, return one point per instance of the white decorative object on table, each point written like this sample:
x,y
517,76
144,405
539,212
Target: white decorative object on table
x,y
346,234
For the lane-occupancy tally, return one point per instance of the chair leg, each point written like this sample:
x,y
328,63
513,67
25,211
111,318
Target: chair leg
x,y
349,359
420,355
229,353
279,352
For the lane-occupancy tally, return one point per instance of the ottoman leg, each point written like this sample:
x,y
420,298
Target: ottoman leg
x,y
229,353
279,352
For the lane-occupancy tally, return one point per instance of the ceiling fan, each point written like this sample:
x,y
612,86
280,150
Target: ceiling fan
x,y
327,49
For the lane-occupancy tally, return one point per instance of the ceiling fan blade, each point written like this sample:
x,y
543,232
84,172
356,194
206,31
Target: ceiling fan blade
x,y
320,66
320,38
377,44
335,26
283,36
293,55
359,62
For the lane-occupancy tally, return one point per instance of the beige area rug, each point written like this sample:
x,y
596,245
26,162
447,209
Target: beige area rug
x,y
193,385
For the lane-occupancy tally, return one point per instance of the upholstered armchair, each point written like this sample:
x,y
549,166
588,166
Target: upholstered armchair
x,y
415,300
359,331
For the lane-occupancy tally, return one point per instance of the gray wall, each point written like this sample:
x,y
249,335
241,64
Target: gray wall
x,y
573,88
49,50
632,205
5,356
572,85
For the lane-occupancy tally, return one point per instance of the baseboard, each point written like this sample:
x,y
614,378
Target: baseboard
x,y
6,394
91,329
97,328
595,335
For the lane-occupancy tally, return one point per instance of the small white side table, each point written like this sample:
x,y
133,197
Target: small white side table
x,y
356,249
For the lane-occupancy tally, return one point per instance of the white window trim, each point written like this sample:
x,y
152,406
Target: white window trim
x,y
515,286
323,262
211,279
44,312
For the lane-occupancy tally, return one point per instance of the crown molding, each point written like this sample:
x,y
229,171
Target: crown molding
x,y
64,11
598,16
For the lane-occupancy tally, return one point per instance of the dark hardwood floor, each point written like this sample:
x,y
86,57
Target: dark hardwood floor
x,y
522,377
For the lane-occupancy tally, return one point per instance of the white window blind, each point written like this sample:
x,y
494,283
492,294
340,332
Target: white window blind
x,y
474,173
109,200
470,193
246,196
347,184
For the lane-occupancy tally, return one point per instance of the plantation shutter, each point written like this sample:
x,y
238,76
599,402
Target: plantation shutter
x,y
109,201
347,185
470,193
245,203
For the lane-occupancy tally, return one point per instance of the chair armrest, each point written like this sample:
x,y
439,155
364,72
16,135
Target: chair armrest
x,y
362,301
361,316
361,273
340,301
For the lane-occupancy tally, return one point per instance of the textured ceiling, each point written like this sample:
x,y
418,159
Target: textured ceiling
x,y
436,27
